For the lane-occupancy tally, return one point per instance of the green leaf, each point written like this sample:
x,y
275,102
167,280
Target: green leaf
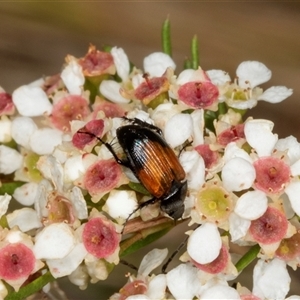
x,y
187,64
31,288
166,37
9,187
247,258
195,53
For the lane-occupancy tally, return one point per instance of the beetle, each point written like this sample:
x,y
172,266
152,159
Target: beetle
x,y
154,164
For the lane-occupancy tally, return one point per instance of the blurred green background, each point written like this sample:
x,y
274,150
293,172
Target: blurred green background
x,y
36,36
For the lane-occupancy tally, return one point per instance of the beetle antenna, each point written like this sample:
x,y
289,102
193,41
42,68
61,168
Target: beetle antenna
x,y
182,244
126,263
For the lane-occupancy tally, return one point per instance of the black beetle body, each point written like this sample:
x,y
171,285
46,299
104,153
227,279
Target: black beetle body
x,y
154,164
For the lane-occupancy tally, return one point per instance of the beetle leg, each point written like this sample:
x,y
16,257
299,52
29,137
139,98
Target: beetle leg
x,y
120,161
146,203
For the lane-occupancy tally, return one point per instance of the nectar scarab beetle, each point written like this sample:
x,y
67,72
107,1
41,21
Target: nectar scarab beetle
x,y
154,164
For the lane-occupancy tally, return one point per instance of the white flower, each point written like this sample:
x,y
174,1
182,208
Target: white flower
x,y
244,92
271,279
31,101
156,64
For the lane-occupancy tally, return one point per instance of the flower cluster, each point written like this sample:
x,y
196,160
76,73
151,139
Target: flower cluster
x,y
79,207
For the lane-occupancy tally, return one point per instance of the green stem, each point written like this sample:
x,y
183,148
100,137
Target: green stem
x,y
195,52
31,288
247,258
166,37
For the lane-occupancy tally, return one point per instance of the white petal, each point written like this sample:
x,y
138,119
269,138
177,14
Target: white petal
x,y
51,170
4,202
251,205
242,104
120,204
10,160
65,266
291,145
31,101
79,203
218,77
295,168
198,126
238,227
220,291
182,282
152,260
157,287
275,94
121,62
54,241
110,89
25,218
40,201
253,72
5,129
238,174
73,168
137,79
178,129
43,140
259,135
293,192
271,279
233,151
189,75
73,77
3,290
138,297
194,167
26,193
156,64
205,243
22,128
